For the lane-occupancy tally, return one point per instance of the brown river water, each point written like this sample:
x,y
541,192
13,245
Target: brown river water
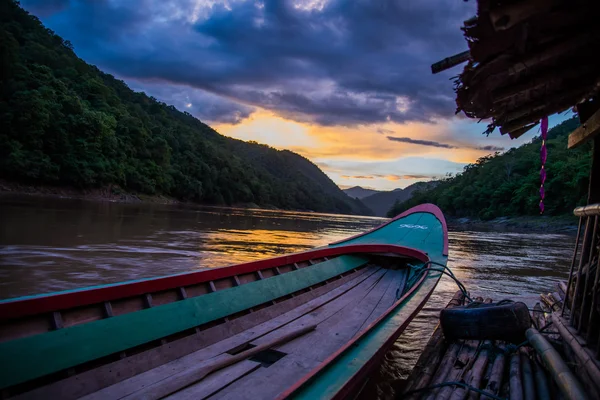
x,y
49,244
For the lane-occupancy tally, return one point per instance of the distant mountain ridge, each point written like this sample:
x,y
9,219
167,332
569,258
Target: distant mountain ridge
x,y
359,192
380,203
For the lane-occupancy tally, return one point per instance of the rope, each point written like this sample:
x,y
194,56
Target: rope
x,y
445,271
461,384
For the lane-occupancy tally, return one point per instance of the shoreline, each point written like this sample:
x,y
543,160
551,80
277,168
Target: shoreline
x,y
566,224
555,224
108,193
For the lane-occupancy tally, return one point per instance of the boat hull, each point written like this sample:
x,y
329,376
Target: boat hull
x,y
151,316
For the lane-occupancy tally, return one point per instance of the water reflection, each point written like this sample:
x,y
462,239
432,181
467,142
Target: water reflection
x,y
50,244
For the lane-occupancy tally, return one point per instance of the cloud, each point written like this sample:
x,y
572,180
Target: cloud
x,y
432,143
328,62
389,177
202,105
359,177
384,131
489,148
422,142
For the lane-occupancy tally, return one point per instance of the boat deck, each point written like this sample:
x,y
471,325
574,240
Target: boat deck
x,y
330,315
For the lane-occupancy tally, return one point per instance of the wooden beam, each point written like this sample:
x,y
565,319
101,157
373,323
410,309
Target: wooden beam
x,y
450,62
587,131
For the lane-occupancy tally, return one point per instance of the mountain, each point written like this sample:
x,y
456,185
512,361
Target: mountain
x,y
357,192
66,123
508,184
380,203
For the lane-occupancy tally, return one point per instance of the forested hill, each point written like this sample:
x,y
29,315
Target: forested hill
x,y
64,122
508,184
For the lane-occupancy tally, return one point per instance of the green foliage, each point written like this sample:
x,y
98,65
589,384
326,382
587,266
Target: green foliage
x,y
508,184
65,122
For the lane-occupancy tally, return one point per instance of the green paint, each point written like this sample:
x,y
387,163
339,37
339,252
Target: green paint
x,y
431,240
31,357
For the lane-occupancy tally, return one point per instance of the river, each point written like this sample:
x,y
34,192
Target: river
x,y
49,244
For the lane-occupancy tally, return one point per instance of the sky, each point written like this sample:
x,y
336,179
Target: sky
x,y
346,84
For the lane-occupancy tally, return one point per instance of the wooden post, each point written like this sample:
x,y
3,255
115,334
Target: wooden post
x,y
594,188
566,300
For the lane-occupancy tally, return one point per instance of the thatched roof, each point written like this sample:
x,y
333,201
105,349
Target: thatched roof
x,y
529,59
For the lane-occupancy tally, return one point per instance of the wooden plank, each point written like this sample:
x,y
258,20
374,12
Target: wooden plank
x,y
35,356
215,382
587,131
344,372
302,304
337,321
176,382
394,291
261,386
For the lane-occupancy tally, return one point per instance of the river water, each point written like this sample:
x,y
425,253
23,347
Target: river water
x,y
49,244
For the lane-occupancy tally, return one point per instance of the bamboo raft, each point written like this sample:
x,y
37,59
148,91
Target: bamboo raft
x,y
495,367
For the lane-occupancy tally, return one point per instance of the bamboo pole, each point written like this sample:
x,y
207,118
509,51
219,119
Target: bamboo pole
x,y
587,277
527,377
562,290
541,381
430,358
516,388
565,379
495,382
557,299
585,361
444,368
550,302
465,359
588,227
475,375
594,306
572,266
179,381
538,316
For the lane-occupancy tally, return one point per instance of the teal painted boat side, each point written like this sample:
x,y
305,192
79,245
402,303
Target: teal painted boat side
x,y
53,351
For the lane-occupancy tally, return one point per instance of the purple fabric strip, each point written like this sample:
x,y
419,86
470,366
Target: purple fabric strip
x,y
543,157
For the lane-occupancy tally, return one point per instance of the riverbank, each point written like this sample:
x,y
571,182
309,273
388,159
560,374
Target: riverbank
x,y
108,193
111,193
555,224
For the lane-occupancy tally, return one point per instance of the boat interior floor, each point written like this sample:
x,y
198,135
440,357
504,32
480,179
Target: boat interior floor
x,y
334,313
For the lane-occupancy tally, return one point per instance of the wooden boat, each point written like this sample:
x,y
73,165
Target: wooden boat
x,y
305,325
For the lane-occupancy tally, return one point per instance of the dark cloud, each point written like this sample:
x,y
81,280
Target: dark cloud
x,y
204,106
422,142
417,176
43,8
347,63
384,131
432,143
490,148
